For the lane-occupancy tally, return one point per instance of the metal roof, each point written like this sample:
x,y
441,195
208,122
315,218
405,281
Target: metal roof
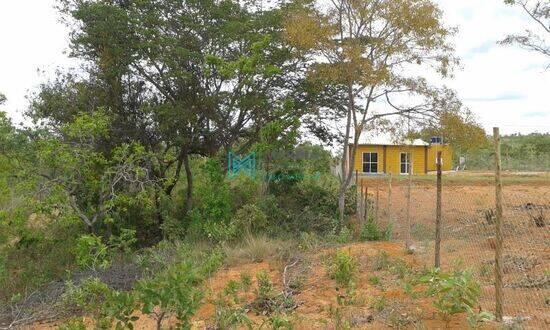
x,y
387,141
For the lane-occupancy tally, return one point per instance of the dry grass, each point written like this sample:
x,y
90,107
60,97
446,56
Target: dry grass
x,y
258,249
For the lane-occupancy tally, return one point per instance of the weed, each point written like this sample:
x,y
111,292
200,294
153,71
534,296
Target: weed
x,y
344,236
371,232
280,322
381,261
267,301
374,280
378,303
474,318
342,268
73,324
246,281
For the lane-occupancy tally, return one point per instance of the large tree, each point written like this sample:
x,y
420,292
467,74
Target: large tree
x,y
367,51
180,78
536,39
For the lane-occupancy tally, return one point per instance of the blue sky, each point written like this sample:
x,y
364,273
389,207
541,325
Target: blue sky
x,y
503,86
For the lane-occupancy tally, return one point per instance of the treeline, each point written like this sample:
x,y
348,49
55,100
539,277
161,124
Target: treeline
x,y
529,152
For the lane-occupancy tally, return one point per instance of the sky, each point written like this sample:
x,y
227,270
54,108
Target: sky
x,y
504,86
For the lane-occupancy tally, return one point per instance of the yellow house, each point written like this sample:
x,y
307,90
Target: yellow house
x,y
383,157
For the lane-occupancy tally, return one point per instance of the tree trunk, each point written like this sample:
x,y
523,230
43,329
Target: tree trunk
x,y
189,177
346,159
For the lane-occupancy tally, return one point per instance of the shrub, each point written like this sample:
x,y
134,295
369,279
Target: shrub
x,y
344,236
172,292
249,220
371,232
455,292
89,296
342,268
92,253
124,242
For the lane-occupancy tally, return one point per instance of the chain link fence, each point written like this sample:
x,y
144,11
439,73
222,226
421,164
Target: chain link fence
x,y
468,232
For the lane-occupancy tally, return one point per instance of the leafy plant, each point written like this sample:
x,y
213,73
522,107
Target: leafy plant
x,y
92,253
474,318
342,268
173,292
249,220
371,232
455,292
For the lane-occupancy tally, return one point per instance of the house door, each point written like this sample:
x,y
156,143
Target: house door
x,y
405,162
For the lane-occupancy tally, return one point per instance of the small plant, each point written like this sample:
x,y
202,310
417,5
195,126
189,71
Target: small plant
x,y
89,296
344,236
172,292
280,322
342,268
456,292
381,261
371,232
474,318
92,253
124,242
378,303
374,280
73,324
267,301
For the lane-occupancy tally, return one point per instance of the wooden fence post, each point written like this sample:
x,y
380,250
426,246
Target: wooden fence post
x,y
438,214
408,243
377,200
389,201
498,228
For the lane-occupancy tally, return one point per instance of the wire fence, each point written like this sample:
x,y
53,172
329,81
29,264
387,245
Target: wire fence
x,y
468,232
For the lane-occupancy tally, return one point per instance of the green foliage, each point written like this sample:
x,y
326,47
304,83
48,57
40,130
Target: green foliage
x,y
73,324
371,232
455,292
108,307
176,290
280,322
229,312
518,152
89,296
124,242
249,220
211,214
474,318
343,268
344,236
172,292
91,252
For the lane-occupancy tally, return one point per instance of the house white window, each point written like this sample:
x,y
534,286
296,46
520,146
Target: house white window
x,y
370,162
405,162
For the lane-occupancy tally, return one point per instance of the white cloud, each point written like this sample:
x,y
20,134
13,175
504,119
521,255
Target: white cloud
x,y
502,85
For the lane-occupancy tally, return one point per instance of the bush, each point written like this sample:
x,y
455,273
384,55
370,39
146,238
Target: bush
x,y
249,220
455,292
173,292
342,268
92,253
371,232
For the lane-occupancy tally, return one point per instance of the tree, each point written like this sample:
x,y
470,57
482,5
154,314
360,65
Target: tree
x,y
365,50
539,12
460,129
209,73
86,181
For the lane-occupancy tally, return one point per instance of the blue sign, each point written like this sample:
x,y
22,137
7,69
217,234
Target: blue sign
x,y
237,165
